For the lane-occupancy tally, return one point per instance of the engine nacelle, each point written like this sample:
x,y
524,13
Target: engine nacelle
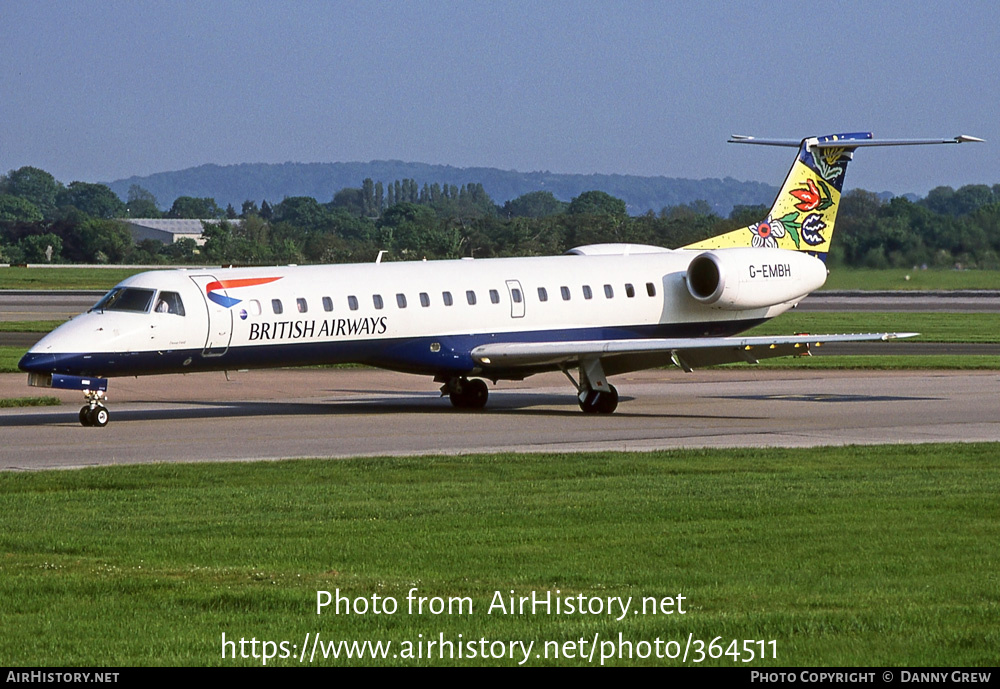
x,y
745,278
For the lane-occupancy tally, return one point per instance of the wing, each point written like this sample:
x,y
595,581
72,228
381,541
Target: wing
x,y
685,352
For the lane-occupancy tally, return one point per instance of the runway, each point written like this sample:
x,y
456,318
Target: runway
x,y
264,415
45,305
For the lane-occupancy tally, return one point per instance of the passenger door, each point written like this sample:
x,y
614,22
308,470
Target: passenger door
x,y
220,318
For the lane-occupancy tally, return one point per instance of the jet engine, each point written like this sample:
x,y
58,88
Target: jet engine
x,y
745,278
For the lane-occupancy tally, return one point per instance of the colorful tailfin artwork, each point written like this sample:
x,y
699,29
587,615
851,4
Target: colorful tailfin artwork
x,y
803,215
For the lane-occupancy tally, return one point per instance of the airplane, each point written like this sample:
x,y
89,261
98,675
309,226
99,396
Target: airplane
x,y
600,310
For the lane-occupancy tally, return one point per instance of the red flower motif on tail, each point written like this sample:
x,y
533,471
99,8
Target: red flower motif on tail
x,y
809,198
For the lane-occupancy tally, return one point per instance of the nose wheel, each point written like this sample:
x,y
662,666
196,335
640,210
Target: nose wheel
x,y
94,413
94,416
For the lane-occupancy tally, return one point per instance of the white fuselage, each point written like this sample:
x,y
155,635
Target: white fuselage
x,y
422,317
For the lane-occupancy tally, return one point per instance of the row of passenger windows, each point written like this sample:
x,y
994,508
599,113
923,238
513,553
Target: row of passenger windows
x,y
302,306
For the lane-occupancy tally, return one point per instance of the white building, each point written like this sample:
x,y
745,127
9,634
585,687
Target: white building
x,y
167,230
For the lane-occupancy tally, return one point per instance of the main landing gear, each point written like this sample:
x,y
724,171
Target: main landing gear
x,y
465,393
94,413
595,393
599,401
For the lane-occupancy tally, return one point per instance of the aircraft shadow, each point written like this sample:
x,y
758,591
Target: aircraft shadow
x,y
526,405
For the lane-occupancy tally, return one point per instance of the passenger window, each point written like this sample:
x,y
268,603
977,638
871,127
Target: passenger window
x,y
587,292
542,294
651,289
327,304
301,305
401,301
565,293
276,306
609,292
254,307
470,297
494,296
377,300
425,299
515,294
353,303
446,296
170,302
629,290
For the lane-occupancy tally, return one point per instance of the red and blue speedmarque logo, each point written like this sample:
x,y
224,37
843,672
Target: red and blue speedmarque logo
x,y
212,289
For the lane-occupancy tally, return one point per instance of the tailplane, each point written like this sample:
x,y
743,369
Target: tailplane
x,y
803,215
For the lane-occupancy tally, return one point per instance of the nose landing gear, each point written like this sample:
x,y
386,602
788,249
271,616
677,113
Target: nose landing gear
x,y
94,413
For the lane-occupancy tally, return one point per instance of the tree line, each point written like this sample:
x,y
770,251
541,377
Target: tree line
x,y
42,220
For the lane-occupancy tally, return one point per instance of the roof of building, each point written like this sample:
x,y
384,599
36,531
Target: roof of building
x,y
172,225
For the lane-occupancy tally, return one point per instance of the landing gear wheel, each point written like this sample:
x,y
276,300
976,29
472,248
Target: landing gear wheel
x,y
599,401
471,394
95,416
99,416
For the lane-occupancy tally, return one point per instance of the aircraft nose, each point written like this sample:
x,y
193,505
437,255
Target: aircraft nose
x,y
37,363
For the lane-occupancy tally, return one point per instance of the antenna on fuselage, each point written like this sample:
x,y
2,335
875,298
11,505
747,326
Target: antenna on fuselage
x,y
378,259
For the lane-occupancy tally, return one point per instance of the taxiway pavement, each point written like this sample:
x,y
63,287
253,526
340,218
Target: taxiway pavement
x,y
263,415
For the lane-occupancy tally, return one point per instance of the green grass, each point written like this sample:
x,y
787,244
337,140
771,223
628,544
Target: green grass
x,y
895,279
9,356
63,278
933,327
844,556
29,402
887,362
29,326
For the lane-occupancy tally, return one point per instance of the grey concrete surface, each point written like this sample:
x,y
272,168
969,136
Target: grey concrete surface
x,y
36,305
263,415
956,301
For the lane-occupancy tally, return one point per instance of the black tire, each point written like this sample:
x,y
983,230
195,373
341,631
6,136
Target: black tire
x,y
85,416
476,393
608,401
588,403
473,395
99,416
600,401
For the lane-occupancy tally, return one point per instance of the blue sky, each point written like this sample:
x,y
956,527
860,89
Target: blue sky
x,y
97,90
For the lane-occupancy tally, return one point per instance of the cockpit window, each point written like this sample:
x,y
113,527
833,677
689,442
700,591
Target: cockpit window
x,y
126,299
170,302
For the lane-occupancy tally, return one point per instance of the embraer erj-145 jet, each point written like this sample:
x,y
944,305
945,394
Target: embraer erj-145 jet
x,y
600,310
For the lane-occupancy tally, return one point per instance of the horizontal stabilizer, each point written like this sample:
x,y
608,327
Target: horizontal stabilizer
x,y
850,141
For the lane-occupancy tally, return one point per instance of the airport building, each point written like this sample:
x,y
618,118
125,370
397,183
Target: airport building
x,y
167,230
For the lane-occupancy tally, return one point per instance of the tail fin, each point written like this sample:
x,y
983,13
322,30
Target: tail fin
x,y
803,215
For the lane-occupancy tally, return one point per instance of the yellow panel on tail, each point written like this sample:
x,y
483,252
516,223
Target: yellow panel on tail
x,y
802,217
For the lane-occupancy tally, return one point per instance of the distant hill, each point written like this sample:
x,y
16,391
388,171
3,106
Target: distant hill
x,y
234,184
